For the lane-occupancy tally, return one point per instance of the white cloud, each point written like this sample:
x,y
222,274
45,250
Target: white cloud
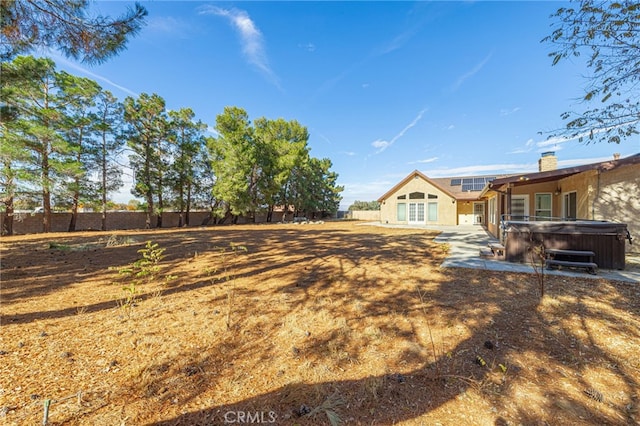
x,y
528,147
464,77
582,161
425,161
309,47
168,25
397,42
504,111
364,191
251,37
57,58
498,169
553,143
381,145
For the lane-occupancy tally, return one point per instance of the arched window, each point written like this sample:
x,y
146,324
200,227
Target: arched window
x,y
416,196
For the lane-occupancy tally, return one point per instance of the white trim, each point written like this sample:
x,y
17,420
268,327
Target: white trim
x,y
493,210
478,219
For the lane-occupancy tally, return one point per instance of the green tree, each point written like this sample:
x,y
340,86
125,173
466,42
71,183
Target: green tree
x,y
364,205
65,24
609,33
268,164
327,197
146,136
109,124
313,187
13,157
186,136
234,161
33,90
282,145
78,128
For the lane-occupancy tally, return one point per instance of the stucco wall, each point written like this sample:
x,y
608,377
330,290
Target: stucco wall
x,y
371,215
584,186
447,210
616,197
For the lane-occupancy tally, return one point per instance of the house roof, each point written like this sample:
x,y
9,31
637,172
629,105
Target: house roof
x,y
444,184
500,181
552,175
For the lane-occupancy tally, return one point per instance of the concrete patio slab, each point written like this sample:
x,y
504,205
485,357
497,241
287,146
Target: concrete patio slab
x,y
465,242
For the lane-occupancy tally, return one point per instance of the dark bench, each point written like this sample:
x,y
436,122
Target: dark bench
x,y
568,259
580,253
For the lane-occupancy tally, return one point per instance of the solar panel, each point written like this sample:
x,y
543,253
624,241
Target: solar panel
x,y
473,183
456,182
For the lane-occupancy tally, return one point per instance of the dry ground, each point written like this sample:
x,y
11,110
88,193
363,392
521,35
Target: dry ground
x,y
310,324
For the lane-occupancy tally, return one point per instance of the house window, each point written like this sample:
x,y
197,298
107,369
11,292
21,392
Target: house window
x,y
519,207
492,210
570,206
432,212
432,196
402,197
416,196
543,206
402,212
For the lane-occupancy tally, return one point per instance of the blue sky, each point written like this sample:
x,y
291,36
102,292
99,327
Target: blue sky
x,y
384,88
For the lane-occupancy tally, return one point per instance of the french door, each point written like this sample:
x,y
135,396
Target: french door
x,y
416,213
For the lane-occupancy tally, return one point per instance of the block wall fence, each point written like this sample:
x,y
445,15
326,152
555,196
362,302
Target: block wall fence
x,y
31,223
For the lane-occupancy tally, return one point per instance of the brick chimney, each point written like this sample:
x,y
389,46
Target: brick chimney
x,y
548,161
616,156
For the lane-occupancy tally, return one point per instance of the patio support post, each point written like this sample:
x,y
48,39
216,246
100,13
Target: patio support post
x,y
509,201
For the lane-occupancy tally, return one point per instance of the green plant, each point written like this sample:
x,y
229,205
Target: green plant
x,y
147,267
59,246
131,294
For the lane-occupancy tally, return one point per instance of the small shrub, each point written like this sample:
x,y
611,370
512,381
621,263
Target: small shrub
x,y
145,268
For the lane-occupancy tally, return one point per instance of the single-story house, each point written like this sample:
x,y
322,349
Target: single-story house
x,y
421,200
608,190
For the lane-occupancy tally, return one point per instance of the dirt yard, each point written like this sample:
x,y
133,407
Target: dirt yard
x,y
334,323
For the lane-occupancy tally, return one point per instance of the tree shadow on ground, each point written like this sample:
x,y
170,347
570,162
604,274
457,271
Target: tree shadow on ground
x,y
366,326
491,369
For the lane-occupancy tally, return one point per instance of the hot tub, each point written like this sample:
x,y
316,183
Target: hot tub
x,y
605,239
